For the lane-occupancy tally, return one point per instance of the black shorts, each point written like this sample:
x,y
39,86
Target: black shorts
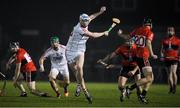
x,y
168,63
142,62
125,69
29,76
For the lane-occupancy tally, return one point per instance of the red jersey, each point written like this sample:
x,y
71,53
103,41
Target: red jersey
x,y
27,64
171,47
128,54
140,35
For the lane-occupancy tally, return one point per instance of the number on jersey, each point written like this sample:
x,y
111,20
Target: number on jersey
x,y
139,40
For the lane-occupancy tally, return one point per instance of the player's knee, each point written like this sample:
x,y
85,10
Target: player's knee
x,y
79,68
147,70
66,81
121,87
51,78
150,78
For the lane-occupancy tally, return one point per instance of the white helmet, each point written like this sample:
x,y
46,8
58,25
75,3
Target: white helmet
x,y
84,17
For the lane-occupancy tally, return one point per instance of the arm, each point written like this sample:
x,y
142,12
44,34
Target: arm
x,y
96,34
107,58
110,56
131,73
124,36
10,61
41,63
17,73
162,53
149,46
102,10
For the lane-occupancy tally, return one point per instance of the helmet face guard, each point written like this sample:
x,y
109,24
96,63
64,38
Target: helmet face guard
x,y
84,20
14,45
147,22
84,17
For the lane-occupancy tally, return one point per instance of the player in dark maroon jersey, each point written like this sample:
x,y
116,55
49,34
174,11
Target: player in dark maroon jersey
x,y
170,56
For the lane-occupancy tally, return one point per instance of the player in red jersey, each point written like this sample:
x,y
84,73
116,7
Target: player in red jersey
x,y
24,68
142,37
170,55
129,66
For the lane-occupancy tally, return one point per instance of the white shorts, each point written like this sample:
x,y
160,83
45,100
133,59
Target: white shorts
x,y
71,56
64,71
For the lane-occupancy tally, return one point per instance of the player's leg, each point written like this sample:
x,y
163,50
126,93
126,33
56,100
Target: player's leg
x,y
170,78
66,81
174,76
144,64
72,58
80,63
139,88
121,85
149,77
52,79
20,86
31,83
73,67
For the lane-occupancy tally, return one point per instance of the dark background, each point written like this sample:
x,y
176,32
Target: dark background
x,y
32,21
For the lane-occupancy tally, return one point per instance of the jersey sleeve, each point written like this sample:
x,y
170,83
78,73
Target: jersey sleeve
x,y
150,36
82,30
47,53
18,58
118,51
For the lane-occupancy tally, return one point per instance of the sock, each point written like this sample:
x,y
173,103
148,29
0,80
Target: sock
x,y
170,89
133,86
144,92
138,91
121,89
65,88
56,89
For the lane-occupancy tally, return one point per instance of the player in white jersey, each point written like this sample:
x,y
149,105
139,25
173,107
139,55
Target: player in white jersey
x,y
76,47
56,53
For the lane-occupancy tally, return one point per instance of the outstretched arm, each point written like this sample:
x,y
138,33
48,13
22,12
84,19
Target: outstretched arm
x,y
106,59
102,10
96,34
122,35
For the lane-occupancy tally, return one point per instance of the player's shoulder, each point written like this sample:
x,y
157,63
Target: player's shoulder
x,y
121,47
48,50
79,28
21,50
62,46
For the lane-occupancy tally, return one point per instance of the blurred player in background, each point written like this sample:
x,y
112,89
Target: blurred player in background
x,y
142,37
56,53
76,48
25,69
129,66
170,55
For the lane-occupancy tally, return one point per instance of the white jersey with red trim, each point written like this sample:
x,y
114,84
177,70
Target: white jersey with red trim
x,y
57,58
77,40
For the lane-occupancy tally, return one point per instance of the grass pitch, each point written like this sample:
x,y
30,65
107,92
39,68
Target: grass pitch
x,y
104,95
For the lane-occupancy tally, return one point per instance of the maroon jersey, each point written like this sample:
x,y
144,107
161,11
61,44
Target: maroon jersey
x,y
27,64
171,47
128,54
140,35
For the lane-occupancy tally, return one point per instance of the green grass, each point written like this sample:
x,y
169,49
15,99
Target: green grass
x,y
104,95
